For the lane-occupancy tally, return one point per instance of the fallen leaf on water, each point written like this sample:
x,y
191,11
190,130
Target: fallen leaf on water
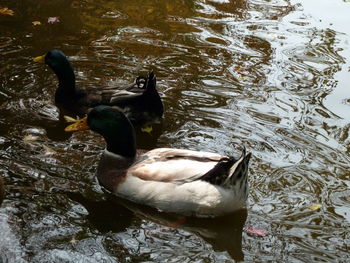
x,y
48,150
315,207
147,129
239,68
6,11
73,240
69,118
53,19
241,77
36,23
256,231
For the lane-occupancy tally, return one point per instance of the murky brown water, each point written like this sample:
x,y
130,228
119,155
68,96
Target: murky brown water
x,y
273,75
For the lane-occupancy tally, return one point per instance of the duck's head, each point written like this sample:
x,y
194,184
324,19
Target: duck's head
x,y
113,125
55,59
59,63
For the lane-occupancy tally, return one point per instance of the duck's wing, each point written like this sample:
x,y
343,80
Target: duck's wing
x,y
119,96
174,165
141,92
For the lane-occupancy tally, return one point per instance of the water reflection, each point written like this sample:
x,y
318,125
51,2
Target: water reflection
x,y
116,215
2,190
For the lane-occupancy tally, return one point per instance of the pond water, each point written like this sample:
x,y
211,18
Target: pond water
x,y
270,74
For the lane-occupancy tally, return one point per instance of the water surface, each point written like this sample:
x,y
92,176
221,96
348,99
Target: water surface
x,y
272,75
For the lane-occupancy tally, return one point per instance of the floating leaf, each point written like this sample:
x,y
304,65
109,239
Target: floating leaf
x,y
73,240
53,19
256,231
6,11
315,207
147,129
36,23
241,77
69,118
238,68
48,150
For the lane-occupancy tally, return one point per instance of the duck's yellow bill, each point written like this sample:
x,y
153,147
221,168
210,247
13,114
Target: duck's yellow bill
x,y
79,125
69,119
147,129
39,59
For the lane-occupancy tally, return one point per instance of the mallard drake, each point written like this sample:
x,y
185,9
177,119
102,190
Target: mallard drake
x,y
140,107
180,181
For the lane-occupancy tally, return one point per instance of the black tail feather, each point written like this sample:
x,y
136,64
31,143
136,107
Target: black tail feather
x,y
220,174
150,82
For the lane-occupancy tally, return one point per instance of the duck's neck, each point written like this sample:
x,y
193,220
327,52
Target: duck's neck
x,y
119,155
112,170
66,78
121,148
121,140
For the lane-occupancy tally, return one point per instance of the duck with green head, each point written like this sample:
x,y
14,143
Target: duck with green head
x,y
141,106
191,183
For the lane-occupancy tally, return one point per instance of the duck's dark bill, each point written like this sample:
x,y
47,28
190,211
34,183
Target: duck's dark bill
x,y
79,125
39,59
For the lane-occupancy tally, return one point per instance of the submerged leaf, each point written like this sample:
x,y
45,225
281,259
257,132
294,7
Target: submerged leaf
x,y
177,223
36,23
6,11
256,231
53,19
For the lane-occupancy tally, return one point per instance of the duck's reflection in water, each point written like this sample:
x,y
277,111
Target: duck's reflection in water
x,y
115,214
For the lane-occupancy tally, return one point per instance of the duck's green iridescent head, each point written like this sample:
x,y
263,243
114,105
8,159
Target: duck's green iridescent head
x,y
59,63
113,125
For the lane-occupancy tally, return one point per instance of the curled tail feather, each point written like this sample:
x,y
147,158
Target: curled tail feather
x,y
229,171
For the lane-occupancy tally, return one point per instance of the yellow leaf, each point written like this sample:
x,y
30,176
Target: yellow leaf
x,y
315,207
6,11
241,77
36,23
147,129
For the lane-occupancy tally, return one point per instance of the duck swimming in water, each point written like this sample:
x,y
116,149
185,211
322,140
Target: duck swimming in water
x,y
141,106
191,183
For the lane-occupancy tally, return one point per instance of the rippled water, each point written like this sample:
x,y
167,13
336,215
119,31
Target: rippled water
x,y
273,75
